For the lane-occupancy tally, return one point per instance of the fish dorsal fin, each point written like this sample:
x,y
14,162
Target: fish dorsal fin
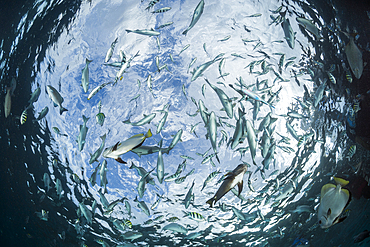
x,y
141,134
326,188
329,212
345,191
115,146
341,181
240,187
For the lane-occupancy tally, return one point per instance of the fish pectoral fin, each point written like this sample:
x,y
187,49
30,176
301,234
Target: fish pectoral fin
x,y
345,191
240,187
329,212
121,161
326,188
338,220
115,146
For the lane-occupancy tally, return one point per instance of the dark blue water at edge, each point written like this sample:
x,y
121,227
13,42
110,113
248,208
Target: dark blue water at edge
x,y
19,226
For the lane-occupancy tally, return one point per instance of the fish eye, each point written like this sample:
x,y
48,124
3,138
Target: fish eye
x,y
320,222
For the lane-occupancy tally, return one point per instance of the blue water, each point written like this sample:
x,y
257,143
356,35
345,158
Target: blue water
x,y
47,42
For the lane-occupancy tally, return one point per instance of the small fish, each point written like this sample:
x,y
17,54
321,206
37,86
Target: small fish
x,y
57,131
210,177
289,33
226,38
56,98
23,117
332,202
43,113
233,178
43,215
82,134
86,212
110,51
255,15
309,25
145,120
174,227
85,76
183,49
354,57
161,10
94,157
361,237
165,25
195,216
97,89
196,15
142,205
8,102
35,96
147,32
131,235
191,63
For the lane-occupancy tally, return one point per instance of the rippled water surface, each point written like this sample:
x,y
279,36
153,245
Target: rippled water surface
x,y
306,133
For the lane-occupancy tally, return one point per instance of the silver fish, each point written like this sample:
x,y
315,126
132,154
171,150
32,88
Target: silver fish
x,y
59,188
174,227
142,205
86,212
85,76
225,101
110,51
309,26
189,196
212,132
141,185
160,165
199,70
56,98
289,34
82,134
145,120
103,175
354,57
233,178
251,136
196,15
148,32
131,235
43,113
8,102
35,96
94,157
97,89
46,179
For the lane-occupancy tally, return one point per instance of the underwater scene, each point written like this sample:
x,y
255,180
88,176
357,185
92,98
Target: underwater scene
x,y
185,123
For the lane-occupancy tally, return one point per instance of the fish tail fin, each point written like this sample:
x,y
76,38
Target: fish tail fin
x,y
85,118
211,202
185,32
62,109
128,31
127,121
88,61
148,134
103,137
132,166
341,181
